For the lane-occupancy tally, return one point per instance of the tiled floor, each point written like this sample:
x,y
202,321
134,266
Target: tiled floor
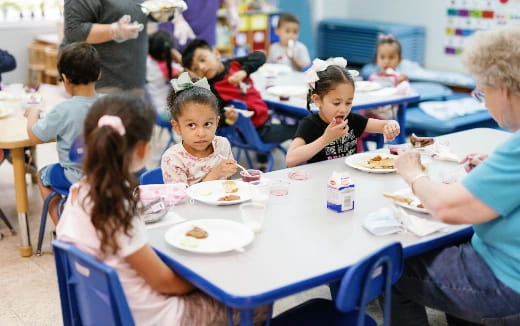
x,y
28,285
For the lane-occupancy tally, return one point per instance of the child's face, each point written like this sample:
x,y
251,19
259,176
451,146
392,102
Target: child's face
x,y
336,104
197,125
206,63
387,56
288,31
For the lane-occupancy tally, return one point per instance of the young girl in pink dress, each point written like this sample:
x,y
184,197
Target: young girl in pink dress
x,y
201,156
102,218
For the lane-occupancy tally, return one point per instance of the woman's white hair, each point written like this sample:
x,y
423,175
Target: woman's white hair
x,y
493,57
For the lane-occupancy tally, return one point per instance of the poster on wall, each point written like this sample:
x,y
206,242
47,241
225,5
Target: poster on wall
x,y
464,17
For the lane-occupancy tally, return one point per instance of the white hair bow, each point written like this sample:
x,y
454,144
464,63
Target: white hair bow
x,y
320,65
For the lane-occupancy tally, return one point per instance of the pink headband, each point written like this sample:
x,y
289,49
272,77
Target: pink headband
x,y
112,121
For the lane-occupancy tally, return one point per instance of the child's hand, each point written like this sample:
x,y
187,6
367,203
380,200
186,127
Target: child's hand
x,y
401,78
230,115
226,168
32,110
335,130
237,77
391,130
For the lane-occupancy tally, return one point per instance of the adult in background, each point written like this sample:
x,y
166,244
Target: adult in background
x,y
476,282
200,21
116,29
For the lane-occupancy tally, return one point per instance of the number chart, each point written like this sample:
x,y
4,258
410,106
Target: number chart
x,y
464,17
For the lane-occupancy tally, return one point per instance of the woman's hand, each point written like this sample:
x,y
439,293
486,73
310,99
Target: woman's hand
x,y
335,130
408,164
472,160
391,130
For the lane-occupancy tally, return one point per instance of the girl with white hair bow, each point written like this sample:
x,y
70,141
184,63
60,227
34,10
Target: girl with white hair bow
x,y
333,130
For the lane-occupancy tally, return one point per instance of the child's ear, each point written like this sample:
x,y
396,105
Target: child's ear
x,y
176,127
216,53
316,99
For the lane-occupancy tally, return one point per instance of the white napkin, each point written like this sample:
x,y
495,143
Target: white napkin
x,y
419,226
169,218
382,222
441,152
444,110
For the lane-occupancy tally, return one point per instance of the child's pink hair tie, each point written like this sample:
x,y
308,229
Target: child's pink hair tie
x,y
112,121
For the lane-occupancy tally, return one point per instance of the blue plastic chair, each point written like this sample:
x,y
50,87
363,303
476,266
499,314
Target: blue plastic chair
x,y
76,154
56,191
77,150
243,136
6,221
90,291
153,176
362,283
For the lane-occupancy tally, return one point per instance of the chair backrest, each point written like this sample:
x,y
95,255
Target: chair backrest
x,y
244,134
77,150
368,279
153,176
90,291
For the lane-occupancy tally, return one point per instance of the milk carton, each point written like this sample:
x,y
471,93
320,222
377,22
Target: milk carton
x,y
340,192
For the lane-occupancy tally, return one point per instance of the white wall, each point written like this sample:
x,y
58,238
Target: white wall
x,y
15,37
429,13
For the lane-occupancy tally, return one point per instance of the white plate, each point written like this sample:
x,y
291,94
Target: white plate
x,y
287,90
5,112
367,86
223,235
407,192
356,161
210,191
275,69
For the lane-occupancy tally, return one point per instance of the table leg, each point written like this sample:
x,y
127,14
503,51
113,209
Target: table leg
x,y
20,187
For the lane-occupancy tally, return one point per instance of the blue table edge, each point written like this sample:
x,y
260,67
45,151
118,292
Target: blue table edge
x,y
249,302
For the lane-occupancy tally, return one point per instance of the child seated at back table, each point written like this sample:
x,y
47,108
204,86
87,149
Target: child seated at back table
x,y
201,156
102,216
331,133
388,57
79,67
288,50
230,80
160,69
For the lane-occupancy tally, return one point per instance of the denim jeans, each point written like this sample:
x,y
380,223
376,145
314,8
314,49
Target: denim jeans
x,y
455,280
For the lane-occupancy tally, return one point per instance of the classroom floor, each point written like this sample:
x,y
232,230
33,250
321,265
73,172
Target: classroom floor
x,y
29,287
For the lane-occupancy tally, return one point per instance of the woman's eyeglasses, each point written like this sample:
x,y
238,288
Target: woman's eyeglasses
x,y
478,95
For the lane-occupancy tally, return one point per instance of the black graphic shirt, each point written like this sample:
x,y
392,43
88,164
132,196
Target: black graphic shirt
x,y
312,127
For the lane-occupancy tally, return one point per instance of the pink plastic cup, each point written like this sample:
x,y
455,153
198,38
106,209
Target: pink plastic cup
x,y
250,175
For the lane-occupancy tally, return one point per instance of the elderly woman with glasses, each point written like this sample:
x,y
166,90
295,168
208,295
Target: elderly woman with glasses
x,y
477,282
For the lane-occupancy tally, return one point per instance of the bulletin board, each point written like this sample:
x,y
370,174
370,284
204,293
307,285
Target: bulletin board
x,y
464,17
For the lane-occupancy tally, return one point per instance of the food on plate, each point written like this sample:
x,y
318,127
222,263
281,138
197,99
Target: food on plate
x,y
380,162
229,198
420,142
420,206
399,198
197,233
230,186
